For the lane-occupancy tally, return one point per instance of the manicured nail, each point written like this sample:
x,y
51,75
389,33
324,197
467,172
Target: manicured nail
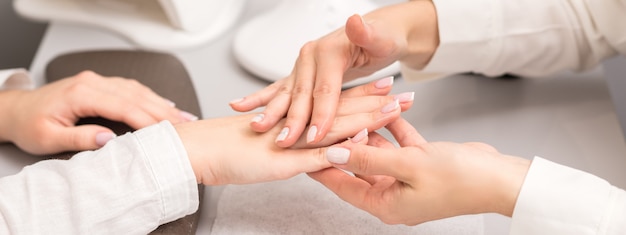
x,y
405,97
390,107
283,134
337,155
171,103
188,116
384,83
310,136
258,118
103,137
236,101
359,136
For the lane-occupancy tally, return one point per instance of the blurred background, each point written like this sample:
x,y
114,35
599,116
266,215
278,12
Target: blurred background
x,y
19,38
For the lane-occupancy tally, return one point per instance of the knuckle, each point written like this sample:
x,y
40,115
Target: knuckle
x,y
284,90
324,89
308,48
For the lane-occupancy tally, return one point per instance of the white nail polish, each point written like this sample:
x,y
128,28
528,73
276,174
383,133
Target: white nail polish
x,y
188,116
384,82
405,97
359,136
236,101
283,134
103,137
258,118
310,136
337,155
391,106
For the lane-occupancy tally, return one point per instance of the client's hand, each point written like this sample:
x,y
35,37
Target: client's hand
x,y
42,121
226,151
423,181
310,94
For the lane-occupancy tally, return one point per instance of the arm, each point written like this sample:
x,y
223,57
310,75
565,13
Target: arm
x,y
140,180
528,38
422,181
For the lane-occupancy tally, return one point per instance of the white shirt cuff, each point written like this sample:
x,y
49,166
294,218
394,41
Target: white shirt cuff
x,y
171,169
15,79
556,199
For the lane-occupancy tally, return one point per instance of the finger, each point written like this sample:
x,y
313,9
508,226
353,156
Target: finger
x,y
369,160
346,126
350,189
257,99
380,87
275,111
146,100
405,133
301,99
378,140
82,137
352,105
125,100
367,37
331,64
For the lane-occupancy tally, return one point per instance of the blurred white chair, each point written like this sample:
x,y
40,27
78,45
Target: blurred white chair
x,y
163,25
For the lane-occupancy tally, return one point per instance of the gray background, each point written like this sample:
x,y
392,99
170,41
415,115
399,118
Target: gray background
x,y
19,38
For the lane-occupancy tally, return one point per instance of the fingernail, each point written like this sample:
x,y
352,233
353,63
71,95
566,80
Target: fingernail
x,y
258,118
236,101
390,107
283,134
337,155
310,136
384,83
188,116
405,97
171,103
103,137
359,136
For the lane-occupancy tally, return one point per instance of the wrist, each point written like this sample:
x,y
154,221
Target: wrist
x,y
511,176
422,37
7,107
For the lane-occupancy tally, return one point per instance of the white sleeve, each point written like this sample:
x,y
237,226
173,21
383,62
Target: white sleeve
x,y
130,186
556,199
15,79
527,37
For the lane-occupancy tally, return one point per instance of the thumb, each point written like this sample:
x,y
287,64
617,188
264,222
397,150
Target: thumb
x,y
369,160
368,37
84,137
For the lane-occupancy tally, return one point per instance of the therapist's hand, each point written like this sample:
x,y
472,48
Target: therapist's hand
x,y
42,121
421,181
406,32
226,151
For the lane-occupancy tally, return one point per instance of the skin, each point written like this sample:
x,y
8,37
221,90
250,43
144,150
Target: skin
x,y
261,160
405,32
42,121
421,181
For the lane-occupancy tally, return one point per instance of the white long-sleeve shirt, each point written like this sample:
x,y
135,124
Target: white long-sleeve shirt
x,y
527,37
537,38
132,185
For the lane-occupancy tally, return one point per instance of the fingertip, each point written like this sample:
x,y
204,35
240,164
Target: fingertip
x,y
360,137
104,137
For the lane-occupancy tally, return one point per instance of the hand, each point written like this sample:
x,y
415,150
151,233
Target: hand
x,y
42,121
406,32
226,151
422,181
